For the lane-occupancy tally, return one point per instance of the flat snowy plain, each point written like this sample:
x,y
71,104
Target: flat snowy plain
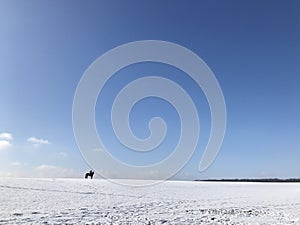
x,y
79,201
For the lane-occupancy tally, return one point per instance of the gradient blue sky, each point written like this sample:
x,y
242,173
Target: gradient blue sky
x,y
252,47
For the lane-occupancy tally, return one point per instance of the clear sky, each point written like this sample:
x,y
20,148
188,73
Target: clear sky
x,y
253,48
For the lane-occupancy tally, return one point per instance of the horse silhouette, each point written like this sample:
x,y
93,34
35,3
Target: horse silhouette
x,y
89,174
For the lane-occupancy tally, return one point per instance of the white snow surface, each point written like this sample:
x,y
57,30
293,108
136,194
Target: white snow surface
x,y
80,201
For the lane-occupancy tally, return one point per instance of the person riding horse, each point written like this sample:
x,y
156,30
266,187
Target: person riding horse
x,y
89,174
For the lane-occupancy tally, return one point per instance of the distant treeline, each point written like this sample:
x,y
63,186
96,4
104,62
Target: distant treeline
x,y
275,180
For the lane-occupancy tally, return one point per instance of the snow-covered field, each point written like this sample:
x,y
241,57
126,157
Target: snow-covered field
x,y
79,201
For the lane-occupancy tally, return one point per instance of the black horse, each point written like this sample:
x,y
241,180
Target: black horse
x,y
89,174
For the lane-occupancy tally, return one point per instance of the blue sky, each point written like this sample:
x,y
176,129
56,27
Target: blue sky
x,y
252,47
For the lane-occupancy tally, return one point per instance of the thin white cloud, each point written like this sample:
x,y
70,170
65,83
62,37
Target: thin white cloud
x,y
21,169
37,141
18,164
4,144
6,136
49,171
6,174
63,154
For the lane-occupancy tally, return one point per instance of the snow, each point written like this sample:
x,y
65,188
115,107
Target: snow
x,y
80,201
